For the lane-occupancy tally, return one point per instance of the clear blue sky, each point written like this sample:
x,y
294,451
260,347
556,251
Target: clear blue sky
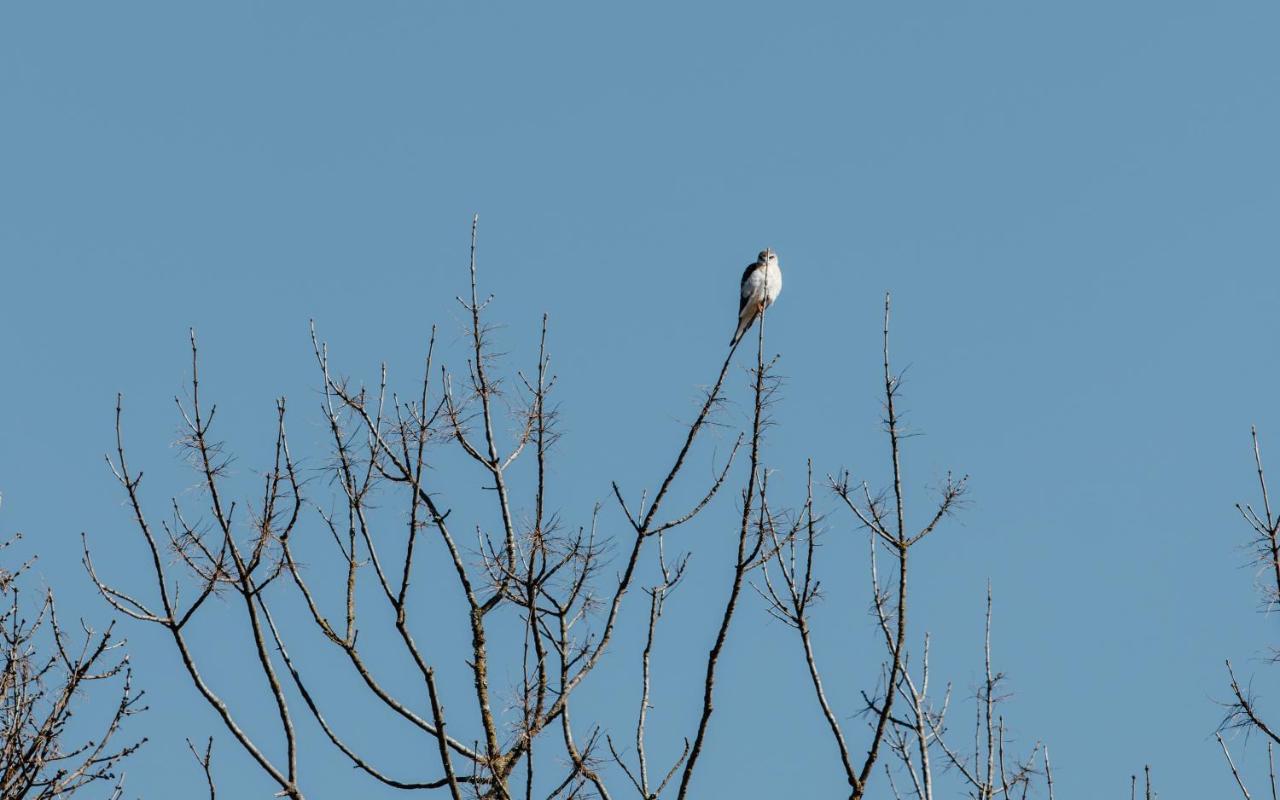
x,y
1074,205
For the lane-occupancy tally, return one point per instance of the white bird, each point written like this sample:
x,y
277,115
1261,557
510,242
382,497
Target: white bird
x,y
761,285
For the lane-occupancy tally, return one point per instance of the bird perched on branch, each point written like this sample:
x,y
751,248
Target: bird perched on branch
x,y
761,285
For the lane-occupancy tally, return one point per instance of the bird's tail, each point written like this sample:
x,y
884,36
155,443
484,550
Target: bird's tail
x,y
747,317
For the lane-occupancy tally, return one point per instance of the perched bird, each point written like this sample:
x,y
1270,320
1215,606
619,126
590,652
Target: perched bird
x,y
761,285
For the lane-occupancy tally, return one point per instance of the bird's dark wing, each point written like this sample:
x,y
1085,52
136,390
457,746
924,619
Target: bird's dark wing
x,y
746,284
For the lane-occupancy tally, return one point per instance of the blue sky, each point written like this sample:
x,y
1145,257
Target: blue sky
x,y
1074,206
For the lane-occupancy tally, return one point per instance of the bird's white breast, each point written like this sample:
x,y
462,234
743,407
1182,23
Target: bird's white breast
x,y
772,282
763,285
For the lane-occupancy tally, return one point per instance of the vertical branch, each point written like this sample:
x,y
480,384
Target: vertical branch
x,y
888,529
205,761
901,544
442,737
923,719
987,771
485,389
988,693
1242,710
657,598
1267,527
658,595
1271,770
741,564
496,466
792,608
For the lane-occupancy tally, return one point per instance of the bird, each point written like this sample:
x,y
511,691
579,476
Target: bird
x,y
761,285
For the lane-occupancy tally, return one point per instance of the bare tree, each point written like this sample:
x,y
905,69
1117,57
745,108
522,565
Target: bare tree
x,y
529,586
529,567
886,523
792,586
989,772
44,682
1243,713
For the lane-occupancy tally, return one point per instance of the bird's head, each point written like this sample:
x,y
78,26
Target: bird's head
x,y
767,256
